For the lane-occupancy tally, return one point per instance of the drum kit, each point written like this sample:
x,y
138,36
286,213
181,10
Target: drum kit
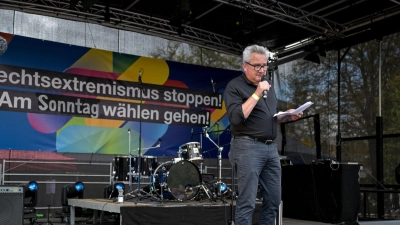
x,y
177,180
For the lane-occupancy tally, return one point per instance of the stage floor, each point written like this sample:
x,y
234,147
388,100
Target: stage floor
x,y
110,221
149,212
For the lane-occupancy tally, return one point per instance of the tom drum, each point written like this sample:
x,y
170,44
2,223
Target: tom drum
x,y
191,151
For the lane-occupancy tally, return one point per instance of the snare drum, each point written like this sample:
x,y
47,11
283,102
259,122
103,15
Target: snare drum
x,y
191,151
182,180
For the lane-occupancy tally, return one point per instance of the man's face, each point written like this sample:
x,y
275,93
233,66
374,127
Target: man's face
x,y
252,74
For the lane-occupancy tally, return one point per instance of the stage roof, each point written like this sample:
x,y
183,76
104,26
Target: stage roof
x,y
230,25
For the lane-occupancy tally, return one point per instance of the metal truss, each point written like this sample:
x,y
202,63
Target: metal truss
x,y
126,20
319,26
289,14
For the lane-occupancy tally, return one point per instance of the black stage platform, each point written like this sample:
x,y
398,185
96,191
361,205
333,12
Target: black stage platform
x,y
134,212
172,213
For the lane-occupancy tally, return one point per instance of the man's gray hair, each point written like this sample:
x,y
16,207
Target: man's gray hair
x,y
254,49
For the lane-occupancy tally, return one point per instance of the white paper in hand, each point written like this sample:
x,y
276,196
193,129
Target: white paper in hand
x,y
297,111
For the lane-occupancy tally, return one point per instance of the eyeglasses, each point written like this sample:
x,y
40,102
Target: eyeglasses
x,y
258,67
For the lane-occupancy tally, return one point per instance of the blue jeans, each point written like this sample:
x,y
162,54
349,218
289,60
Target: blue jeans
x,y
256,163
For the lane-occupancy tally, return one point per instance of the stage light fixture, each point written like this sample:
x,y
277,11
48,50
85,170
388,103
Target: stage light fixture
x,y
111,191
30,194
72,4
107,11
315,50
73,190
221,188
312,58
87,4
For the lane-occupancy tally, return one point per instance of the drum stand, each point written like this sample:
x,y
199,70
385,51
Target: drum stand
x,y
138,192
219,181
206,190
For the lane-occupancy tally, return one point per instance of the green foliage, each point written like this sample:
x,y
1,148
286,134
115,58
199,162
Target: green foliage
x,y
359,98
185,53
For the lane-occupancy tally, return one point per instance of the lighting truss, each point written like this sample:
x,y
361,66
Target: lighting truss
x,y
126,20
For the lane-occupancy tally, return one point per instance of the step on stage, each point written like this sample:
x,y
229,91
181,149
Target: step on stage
x,y
146,212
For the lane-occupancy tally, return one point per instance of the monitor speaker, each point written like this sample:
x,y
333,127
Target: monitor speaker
x,y
11,205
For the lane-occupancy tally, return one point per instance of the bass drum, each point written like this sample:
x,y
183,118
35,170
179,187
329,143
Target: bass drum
x,y
182,180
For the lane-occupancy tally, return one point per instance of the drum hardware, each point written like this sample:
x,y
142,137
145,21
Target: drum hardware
x,y
141,164
130,160
134,169
219,184
219,190
138,191
189,189
112,183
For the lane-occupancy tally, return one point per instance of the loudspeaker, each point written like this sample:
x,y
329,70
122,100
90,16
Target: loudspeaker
x,y
11,205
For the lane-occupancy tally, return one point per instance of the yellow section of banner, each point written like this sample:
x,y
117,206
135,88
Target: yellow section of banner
x,y
155,71
95,59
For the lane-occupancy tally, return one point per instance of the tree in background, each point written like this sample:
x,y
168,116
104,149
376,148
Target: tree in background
x,y
359,97
181,52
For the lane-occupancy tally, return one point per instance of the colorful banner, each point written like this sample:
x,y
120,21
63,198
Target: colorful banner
x,y
61,98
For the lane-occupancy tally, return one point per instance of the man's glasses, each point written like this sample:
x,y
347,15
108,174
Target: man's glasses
x,y
258,67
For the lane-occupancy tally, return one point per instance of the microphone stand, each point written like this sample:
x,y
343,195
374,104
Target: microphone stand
x,y
139,191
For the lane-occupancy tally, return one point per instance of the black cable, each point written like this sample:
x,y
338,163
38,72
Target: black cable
x,y
102,213
91,156
318,207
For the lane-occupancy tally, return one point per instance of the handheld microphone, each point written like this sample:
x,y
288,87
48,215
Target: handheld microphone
x,y
213,85
265,93
140,76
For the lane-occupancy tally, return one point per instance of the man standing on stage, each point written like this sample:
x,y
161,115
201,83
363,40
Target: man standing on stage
x,y
251,104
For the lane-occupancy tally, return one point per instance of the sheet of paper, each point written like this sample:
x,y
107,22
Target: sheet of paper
x,y
297,111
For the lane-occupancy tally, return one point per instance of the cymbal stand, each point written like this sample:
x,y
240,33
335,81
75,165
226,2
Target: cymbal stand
x,y
130,161
219,182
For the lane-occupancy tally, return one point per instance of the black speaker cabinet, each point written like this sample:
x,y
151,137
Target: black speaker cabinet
x,y
11,205
326,193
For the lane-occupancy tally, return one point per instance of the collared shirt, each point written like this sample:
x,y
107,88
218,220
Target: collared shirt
x,y
260,123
